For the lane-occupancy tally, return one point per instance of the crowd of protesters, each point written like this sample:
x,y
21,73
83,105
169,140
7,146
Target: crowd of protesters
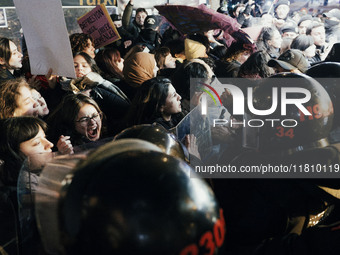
x,y
144,78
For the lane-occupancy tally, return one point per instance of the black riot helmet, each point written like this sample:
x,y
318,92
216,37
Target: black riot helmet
x,y
138,201
328,75
157,135
296,124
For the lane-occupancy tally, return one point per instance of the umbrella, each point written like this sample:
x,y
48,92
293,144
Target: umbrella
x,y
189,20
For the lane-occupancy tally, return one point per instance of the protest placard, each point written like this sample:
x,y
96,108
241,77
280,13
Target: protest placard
x,y
46,37
99,25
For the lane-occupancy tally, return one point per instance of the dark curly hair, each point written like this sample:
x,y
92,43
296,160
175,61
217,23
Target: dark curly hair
x,y
5,52
256,66
9,93
79,42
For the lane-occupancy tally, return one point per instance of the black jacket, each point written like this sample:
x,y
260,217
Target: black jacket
x,y
150,38
7,75
130,25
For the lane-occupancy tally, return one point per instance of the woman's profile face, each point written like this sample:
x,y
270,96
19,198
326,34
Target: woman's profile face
x,y
88,122
36,145
120,64
172,103
81,66
90,50
169,62
15,60
155,69
26,105
38,149
41,103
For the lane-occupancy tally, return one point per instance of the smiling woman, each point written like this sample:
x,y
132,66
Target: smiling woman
x,y
16,99
42,107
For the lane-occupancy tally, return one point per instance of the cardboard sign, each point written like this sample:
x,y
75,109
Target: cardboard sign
x,y
99,25
47,42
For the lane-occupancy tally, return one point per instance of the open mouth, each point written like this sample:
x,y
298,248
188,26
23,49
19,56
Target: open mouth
x,y
93,133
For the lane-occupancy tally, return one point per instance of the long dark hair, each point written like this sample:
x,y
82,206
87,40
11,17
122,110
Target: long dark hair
x,y
256,66
302,42
106,60
62,119
147,103
9,93
5,52
266,34
79,42
160,56
181,78
89,60
15,131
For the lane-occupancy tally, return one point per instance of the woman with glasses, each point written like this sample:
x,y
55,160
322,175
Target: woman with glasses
x,y
76,121
110,98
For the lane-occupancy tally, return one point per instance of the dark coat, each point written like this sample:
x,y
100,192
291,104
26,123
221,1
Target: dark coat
x,y
130,25
7,75
227,69
150,38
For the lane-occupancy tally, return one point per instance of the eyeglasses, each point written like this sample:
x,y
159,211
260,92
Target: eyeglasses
x,y
84,121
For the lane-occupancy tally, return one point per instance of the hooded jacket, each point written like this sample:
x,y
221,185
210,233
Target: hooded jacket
x,y
194,49
139,68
